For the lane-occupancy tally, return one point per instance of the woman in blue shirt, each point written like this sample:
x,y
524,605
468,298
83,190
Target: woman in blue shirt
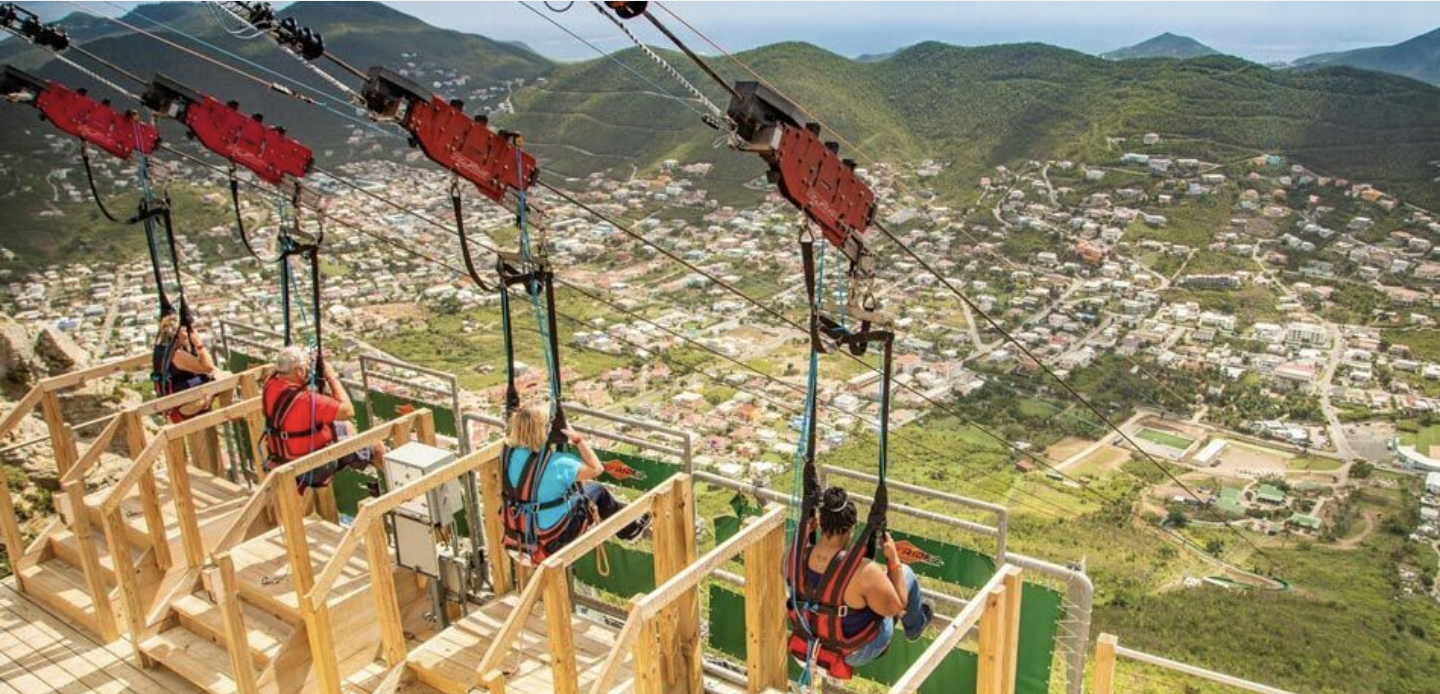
x,y
593,502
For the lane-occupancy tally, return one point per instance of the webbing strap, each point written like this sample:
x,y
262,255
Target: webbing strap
x,y
457,206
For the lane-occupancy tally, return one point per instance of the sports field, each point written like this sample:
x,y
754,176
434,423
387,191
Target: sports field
x,y
1165,438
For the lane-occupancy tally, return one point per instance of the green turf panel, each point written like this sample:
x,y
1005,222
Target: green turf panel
x,y
632,570
389,406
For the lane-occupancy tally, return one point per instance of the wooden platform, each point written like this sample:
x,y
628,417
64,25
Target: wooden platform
x,y
264,569
40,653
449,660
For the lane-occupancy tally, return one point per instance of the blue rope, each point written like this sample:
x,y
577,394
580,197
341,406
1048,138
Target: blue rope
x,y
797,463
534,289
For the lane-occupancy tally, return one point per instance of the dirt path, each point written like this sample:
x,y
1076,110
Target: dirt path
x,y
1353,542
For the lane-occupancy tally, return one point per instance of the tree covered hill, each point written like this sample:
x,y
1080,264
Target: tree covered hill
x,y
1418,58
985,106
1166,45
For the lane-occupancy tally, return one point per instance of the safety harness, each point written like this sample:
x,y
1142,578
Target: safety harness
x,y
817,611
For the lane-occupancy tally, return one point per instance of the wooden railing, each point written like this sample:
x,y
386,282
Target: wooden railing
x,y
311,596
671,508
1108,649
996,608
73,469
646,638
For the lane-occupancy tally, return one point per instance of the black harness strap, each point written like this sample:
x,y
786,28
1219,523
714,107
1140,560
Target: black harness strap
x,y
94,190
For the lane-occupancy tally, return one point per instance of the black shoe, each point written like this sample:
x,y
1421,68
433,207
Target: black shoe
x,y
633,531
927,608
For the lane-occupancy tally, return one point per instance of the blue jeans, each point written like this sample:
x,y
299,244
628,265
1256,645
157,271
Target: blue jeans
x,y
913,622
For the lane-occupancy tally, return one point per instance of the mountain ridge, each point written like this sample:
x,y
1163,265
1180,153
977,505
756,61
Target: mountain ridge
x,y
1417,58
1165,45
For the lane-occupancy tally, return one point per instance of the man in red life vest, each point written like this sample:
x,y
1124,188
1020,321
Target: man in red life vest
x,y
299,420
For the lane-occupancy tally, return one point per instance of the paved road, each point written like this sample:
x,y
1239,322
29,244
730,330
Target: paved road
x,y
107,325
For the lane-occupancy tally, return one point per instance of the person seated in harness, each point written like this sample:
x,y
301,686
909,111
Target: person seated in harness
x,y
875,596
551,500
300,421
179,362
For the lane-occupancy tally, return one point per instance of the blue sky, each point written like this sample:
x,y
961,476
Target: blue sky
x,y
1260,31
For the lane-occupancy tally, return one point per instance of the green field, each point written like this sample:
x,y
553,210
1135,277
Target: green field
x,y
1423,440
1174,441
1315,463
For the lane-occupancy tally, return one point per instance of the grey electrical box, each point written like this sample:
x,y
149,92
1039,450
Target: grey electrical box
x,y
407,464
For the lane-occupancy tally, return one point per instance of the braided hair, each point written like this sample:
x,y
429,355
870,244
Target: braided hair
x,y
837,512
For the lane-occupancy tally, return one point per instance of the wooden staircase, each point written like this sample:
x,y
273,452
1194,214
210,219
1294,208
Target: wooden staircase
x,y
449,661
192,640
55,577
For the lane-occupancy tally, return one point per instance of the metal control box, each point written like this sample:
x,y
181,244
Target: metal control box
x,y
410,462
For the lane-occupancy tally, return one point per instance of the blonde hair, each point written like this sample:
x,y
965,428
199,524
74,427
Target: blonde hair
x,y
527,427
169,328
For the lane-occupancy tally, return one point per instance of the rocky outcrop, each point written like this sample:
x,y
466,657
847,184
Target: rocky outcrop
x,y
59,351
19,366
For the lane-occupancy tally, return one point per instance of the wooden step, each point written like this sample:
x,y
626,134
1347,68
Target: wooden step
x,y
66,547
215,497
449,660
266,632
193,657
263,568
61,589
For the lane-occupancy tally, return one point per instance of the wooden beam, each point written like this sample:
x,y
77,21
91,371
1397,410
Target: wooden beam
x,y
501,571
382,584
125,580
564,673
149,493
425,429
62,438
645,659
254,424
664,594
992,639
302,578
766,649
22,409
237,638
514,623
340,449
619,649
10,530
184,502
947,641
240,524
679,623
1105,664
138,465
93,453
75,378
212,419
95,584
1010,628
325,505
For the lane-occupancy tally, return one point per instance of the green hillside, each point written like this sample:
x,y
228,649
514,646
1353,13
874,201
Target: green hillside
x,y
1418,58
980,107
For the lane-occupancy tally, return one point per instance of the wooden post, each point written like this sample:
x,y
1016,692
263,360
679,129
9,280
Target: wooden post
x,y
425,430
149,495
679,624
302,578
325,504
1105,664
105,622
1010,647
992,621
565,675
62,438
184,502
254,425
645,660
125,579
10,531
237,640
490,504
382,583
766,651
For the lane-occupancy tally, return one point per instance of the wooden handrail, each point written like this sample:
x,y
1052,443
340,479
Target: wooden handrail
x,y
373,510
138,466
74,378
216,387
97,448
647,607
24,407
953,634
557,563
354,444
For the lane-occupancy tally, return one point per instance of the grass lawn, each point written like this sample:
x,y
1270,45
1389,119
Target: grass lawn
x,y
1422,440
1314,463
1174,441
